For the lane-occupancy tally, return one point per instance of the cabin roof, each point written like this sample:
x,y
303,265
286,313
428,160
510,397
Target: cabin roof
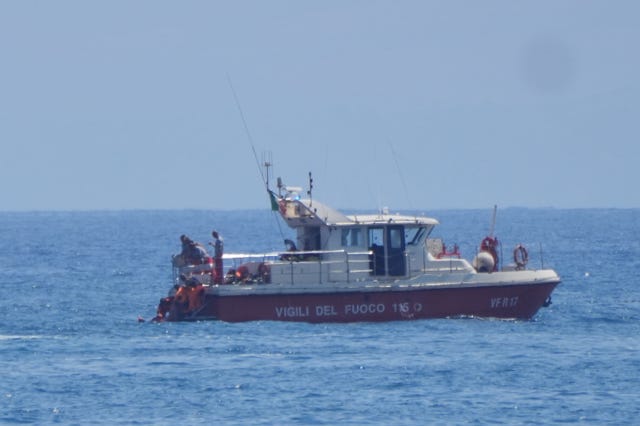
x,y
326,214
398,219
332,217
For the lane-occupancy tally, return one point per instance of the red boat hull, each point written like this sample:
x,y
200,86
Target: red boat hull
x,y
505,301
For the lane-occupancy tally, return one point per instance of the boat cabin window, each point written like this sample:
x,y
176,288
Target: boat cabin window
x,y
414,236
376,237
395,238
352,237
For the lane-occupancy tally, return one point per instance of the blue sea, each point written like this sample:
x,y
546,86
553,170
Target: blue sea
x,y
72,351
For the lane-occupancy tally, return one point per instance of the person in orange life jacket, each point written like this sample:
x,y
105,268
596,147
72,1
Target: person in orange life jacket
x,y
218,249
189,282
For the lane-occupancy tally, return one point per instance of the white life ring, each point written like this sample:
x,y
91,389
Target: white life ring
x,y
520,256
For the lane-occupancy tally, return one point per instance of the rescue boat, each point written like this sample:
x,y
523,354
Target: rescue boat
x,y
347,268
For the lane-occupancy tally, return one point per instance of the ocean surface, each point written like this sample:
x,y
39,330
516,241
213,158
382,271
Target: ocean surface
x,y
72,351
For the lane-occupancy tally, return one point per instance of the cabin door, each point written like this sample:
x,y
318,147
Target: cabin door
x,y
387,245
377,259
395,245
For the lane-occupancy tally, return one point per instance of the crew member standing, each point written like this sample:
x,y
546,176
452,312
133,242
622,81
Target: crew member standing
x,y
218,249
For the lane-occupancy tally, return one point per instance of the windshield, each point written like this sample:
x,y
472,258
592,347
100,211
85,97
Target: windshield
x,y
414,236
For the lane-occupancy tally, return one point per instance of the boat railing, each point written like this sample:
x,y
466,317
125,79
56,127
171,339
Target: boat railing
x,y
320,266
452,263
296,267
200,271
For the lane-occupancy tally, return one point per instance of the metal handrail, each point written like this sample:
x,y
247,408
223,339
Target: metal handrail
x,y
351,261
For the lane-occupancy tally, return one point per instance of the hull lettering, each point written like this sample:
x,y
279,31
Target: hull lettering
x,y
364,309
292,311
504,302
326,311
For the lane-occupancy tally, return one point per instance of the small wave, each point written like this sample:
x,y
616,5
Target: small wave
x,y
20,337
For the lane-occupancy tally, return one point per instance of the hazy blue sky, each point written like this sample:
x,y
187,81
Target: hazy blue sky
x,y
407,104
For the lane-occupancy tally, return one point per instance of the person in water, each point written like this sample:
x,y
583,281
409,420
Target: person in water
x,y
218,250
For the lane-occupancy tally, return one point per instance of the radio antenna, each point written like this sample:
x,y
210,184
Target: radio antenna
x,y
310,190
267,163
246,129
493,220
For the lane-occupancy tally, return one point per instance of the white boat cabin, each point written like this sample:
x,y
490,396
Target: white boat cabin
x,y
378,246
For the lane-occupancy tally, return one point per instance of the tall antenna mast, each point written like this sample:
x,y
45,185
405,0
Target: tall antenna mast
x,y
493,220
246,129
310,189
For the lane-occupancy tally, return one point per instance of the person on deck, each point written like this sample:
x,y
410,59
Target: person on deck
x,y
218,249
182,259
193,253
199,253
